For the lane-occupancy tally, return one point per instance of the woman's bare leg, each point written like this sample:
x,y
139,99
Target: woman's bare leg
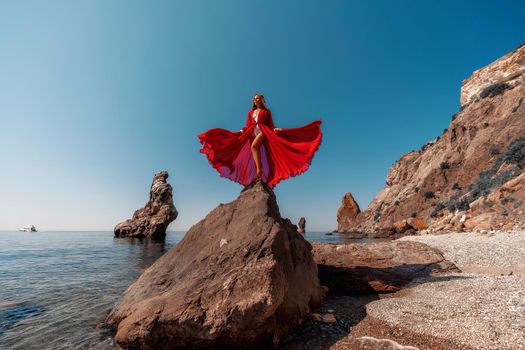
x,y
257,154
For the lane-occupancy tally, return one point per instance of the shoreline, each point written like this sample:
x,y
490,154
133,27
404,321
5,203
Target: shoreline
x,y
472,309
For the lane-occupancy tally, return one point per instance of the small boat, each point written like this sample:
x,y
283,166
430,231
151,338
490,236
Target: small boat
x,y
28,229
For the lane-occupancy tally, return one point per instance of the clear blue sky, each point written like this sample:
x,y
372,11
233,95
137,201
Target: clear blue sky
x,y
96,96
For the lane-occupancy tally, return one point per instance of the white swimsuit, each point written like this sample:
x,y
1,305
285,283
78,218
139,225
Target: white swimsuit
x,y
256,130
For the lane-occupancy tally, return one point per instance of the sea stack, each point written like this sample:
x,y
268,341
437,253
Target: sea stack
x,y
152,220
347,213
242,277
301,225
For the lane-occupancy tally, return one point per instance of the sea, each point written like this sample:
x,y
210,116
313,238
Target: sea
x,y
56,288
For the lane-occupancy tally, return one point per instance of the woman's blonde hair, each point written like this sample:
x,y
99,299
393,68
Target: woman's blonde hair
x,y
262,99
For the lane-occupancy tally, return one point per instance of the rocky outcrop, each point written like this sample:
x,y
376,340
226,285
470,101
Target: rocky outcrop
x,y
152,220
383,267
417,224
474,168
401,226
504,73
301,225
347,212
242,277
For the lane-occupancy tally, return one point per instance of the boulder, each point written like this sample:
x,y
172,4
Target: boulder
x,y
152,220
484,221
382,232
242,277
383,267
346,213
401,226
301,225
417,224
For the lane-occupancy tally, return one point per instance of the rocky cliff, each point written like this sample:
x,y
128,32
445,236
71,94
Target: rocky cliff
x,y
472,176
242,277
152,220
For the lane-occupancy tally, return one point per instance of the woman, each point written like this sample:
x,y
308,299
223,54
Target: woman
x,y
260,151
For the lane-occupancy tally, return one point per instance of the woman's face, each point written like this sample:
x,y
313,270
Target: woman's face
x,y
257,100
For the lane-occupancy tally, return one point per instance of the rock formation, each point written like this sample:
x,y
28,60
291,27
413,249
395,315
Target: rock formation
x,y
346,213
384,267
242,277
152,220
508,70
471,176
301,225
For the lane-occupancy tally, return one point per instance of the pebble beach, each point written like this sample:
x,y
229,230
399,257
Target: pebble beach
x,y
481,308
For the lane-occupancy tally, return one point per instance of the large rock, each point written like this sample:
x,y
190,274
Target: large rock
x,y
152,220
241,277
347,213
483,221
383,267
471,168
505,70
301,226
417,224
401,226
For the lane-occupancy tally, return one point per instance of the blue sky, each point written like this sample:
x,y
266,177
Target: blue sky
x,y
97,96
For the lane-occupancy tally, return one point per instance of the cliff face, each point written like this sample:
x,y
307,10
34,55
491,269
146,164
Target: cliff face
x,y
472,176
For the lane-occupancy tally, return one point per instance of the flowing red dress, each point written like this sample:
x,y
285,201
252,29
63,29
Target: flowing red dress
x,y
284,153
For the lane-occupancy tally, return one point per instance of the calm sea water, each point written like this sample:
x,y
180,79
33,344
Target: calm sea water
x,y
55,287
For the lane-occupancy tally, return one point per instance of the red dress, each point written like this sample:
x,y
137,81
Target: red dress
x,y
284,153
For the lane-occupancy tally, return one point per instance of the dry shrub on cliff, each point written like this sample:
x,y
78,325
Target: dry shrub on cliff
x,y
444,165
489,179
439,207
494,151
494,90
513,155
428,195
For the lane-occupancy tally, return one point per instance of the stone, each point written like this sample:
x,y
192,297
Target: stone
x,y
316,317
417,224
460,226
484,221
383,232
248,292
383,267
152,220
328,318
401,226
438,228
301,225
347,212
